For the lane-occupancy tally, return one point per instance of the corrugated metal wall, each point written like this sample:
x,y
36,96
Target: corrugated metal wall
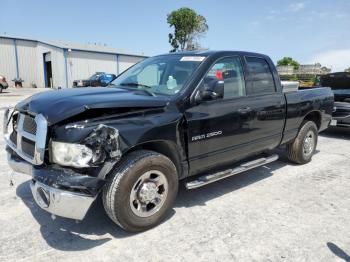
x,y
83,64
126,61
7,59
80,64
57,64
30,62
27,57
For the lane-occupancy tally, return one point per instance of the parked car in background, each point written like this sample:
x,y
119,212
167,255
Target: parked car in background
x,y
97,79
3,83
340,85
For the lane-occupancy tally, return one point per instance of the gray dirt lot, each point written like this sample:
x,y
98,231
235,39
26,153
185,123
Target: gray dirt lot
x,y
280,212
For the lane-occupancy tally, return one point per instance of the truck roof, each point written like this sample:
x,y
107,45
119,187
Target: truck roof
x,y
215,52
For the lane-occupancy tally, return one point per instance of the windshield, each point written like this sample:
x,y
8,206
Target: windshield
x,y
161,74
94,77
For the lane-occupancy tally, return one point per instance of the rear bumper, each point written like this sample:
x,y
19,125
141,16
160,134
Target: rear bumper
x,y
341,114
341,121
81,84
58,192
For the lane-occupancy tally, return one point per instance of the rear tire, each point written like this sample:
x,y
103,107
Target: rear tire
x,y
301,150
141,190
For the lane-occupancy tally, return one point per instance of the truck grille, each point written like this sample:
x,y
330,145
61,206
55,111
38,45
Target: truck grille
x,y
29,125
28,146
13,137
27,137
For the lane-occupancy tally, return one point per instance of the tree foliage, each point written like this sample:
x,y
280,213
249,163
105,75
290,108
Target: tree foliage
x,y
286,61
347,70
188,28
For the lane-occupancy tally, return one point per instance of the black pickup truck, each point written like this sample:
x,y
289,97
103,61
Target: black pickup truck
x,y
202,116
340,84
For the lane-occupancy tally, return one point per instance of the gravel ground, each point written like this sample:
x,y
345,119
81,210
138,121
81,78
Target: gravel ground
x,y
279,212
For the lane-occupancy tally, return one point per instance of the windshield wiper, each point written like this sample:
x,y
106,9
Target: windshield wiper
x,y
135,84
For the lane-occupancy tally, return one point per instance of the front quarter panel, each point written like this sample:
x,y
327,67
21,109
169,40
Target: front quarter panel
x,y
163,125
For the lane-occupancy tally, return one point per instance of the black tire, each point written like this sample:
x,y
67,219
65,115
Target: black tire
x,y
295,150
117,192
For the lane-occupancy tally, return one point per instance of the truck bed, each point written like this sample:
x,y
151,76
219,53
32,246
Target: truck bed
x,y
301,102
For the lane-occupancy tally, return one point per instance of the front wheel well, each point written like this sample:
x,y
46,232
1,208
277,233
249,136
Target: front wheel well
x,y
168,149
314,117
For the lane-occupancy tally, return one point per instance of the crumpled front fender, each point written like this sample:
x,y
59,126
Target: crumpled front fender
x,y
105,142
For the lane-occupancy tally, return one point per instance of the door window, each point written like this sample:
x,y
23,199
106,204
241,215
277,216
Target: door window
x,y
260,75
229,70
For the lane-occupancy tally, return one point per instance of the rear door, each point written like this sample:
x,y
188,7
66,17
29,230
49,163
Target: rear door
x,y
267,103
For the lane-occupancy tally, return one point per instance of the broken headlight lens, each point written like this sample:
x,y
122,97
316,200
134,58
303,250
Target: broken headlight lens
x,y
67,154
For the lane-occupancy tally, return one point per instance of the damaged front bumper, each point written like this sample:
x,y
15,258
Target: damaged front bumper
x,y
66,192
60,192
60,202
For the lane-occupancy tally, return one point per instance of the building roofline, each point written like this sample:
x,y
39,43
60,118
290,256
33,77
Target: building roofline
x,y
72,48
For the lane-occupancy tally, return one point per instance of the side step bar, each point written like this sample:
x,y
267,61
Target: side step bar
x,y
210,178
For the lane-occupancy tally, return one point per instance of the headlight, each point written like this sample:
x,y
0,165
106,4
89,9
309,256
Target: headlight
x,y
67,154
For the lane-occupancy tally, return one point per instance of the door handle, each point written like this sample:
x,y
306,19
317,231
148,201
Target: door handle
x,y
245,110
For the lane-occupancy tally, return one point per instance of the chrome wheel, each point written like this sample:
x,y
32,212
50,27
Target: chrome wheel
x,y
148,194
309,143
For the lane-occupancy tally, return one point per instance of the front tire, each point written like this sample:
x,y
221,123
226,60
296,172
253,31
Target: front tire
x,y
140,191
301,150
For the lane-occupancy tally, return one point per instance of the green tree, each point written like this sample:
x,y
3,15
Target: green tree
x,y
347,70
285,61
188,28
295,78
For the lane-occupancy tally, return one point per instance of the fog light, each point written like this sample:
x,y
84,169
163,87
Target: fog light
x,y
43,197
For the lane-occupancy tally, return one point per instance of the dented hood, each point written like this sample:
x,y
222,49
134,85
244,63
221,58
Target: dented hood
x,y
61,104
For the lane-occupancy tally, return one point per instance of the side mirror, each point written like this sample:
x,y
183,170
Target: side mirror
x,y
210,89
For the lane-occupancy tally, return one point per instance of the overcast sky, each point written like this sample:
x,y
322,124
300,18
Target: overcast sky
x,y
309,31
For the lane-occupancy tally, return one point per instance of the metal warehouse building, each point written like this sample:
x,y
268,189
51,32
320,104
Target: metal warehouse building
x,y
55,64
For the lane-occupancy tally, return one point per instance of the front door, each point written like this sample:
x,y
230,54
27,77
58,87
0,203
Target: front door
x,y
217,128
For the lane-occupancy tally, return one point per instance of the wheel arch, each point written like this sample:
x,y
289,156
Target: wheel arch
x,y
167,148
314,116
